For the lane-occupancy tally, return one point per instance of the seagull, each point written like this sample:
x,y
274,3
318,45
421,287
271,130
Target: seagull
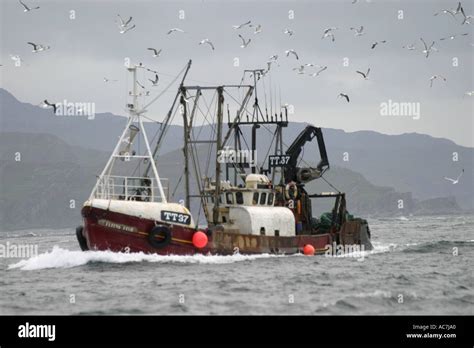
x,y
258,28
410,47
358,32
470,93
125,29
328,33
16,58
207,41
302,67
172,30
366,75
342,95
26,8
293,52
241,25
289,32
427,49
465,20
156,53
452,12
48,104
244,44
273,58
109,80
38,48
376,43
434,77
124,24
155,81
452,37
319,71
457,179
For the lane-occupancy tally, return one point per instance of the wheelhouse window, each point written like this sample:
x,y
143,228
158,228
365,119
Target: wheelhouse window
x,y
229,198
239,197
255,198
263,198
270,198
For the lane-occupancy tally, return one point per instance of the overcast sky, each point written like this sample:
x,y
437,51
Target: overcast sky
x,y
88,48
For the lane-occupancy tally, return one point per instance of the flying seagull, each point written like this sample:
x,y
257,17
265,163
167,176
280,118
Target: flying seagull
x,y
470,93
26,8
16,58
452,12
434,77
302,67
273,58
427,49
358,32
457,179
342,95
452,37
319,71
38,48
244,43
48,104
207,41
365,75
172,30
156,53
328,33
376,43
241,25
410,47
465,18
289,32
293,52
155,81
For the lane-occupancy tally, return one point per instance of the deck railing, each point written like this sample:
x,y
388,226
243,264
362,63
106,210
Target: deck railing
x,y
132,188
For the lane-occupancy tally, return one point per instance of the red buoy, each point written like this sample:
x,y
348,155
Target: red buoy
x,y
308,250
200,239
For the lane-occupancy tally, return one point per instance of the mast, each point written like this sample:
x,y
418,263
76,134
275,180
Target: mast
x,y
217,192
185,148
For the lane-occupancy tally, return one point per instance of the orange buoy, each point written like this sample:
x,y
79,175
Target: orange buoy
x,y
308,250
200,239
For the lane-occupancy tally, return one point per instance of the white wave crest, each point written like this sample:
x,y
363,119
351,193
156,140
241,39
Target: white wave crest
x,y
63,258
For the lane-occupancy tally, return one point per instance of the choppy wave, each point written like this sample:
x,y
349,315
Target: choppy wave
x,y
63,258
440,245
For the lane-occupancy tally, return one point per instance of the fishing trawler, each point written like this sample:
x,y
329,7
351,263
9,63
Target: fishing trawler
x,y
247,207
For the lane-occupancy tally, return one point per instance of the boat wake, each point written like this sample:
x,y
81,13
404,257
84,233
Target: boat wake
x,y
63,258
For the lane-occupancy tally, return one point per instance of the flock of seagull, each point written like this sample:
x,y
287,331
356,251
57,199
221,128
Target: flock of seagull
x,y
126,24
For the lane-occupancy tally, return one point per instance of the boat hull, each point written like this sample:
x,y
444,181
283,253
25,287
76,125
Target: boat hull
x,y
109,230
